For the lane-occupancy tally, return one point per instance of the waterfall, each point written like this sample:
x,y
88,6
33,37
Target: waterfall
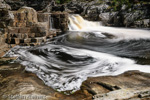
x,y
51,23
77,23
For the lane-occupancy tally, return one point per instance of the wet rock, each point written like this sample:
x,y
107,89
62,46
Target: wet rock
x,y
129,18
60,20
14,80
43,17
29,26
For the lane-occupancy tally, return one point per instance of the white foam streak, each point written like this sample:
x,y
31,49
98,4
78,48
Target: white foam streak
x,y
69,77
77,23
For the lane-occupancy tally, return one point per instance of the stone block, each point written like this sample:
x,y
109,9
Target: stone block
x,y
44,39
37,40
14,35
20,24
13,30
28,40
31,35
40,34
29,24
17,41
24,35
40,40
43,17
2,39
64,27
11,41
41,29
34,30
21,40
55,15
21,16
63,16
31,14
33,40
24,30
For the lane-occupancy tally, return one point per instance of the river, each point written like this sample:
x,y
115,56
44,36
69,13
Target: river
x,y
88,49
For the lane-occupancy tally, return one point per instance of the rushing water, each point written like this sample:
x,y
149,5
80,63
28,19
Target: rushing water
x,y
87,50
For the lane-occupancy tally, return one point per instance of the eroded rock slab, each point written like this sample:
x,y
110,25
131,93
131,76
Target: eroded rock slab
x,y
16,83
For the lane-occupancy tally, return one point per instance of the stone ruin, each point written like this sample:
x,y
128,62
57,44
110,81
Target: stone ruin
x,y
28,27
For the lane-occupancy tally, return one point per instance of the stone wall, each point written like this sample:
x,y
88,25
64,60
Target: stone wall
x,y
2,37
30,28
60,20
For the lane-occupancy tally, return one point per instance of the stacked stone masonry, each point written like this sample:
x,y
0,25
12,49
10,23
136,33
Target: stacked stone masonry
x,y
28,27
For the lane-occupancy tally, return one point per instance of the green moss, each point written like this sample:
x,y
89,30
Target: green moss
x,y
62,1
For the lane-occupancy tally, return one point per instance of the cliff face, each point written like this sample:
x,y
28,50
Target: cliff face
x,y
124,13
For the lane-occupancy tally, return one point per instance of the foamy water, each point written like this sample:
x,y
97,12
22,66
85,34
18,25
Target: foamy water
x,y
77,23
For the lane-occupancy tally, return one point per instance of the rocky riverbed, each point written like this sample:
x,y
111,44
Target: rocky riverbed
x,y
15,82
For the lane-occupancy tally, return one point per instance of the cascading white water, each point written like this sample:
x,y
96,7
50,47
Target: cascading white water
x,y
77,23
51,23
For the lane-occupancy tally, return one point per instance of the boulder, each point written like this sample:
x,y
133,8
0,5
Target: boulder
x,y
5,18
30,14
3,5
129,18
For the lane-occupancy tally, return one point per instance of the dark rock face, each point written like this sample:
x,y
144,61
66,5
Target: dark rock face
x,y
60,21
5,15
36,4
135,15
5,18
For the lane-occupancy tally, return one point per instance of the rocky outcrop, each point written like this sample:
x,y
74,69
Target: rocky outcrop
x,y
60,21
31,28
135,14
36,4
26,26
3,5
5,18
16,83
